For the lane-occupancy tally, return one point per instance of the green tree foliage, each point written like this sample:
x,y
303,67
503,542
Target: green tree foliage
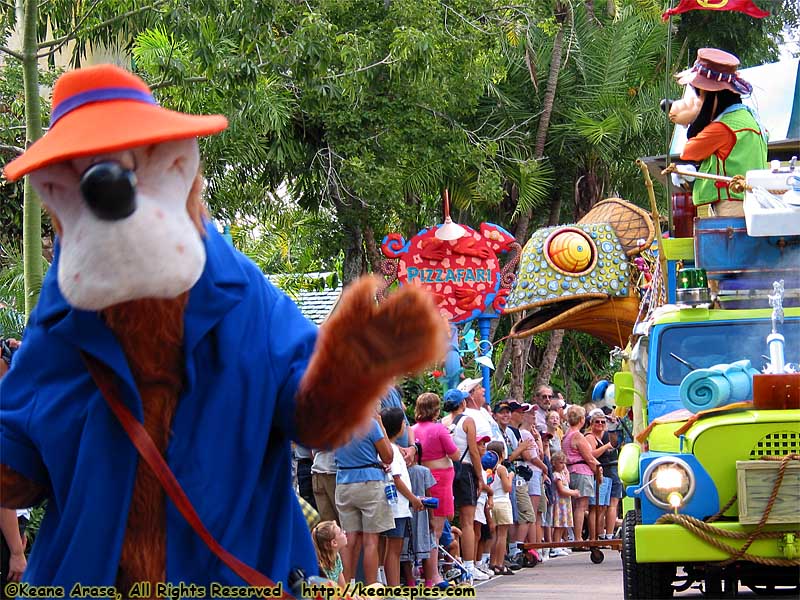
x,y
754,41
361,112
12,141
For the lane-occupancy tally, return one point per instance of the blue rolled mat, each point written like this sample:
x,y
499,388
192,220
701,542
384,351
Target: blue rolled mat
x,y
740,375
704,389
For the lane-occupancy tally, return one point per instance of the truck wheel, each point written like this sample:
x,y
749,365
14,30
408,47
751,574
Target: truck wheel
x,y
645,580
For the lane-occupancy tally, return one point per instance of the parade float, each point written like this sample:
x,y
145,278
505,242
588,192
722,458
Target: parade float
x,y
708,331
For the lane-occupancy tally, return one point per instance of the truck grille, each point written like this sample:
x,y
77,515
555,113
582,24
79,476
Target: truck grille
x,y
779,443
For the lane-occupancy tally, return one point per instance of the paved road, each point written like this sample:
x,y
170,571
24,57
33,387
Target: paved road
x,y
572,576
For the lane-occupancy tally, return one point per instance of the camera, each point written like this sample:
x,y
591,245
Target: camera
x,y
6,351
525,472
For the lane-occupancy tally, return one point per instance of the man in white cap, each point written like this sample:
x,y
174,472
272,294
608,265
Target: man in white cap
x,y
476,408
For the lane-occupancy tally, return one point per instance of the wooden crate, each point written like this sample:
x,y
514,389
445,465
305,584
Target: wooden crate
x,y
755,480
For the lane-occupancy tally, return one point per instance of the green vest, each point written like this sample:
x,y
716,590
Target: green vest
x,y
748,153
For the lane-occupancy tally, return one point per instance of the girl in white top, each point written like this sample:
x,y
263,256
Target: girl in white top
x,y
501,486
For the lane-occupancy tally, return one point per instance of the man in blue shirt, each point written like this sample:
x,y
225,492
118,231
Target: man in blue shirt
x,y
364,510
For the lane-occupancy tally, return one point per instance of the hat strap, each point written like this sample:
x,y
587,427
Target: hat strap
x,y
99,95
737,82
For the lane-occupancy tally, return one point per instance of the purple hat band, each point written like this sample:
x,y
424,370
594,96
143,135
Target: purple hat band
x,y
739,84
99,95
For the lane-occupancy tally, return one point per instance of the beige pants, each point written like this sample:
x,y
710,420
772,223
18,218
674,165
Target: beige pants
x,y
723,208
324,486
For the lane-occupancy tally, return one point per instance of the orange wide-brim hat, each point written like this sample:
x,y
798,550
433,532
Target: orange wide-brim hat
x,y
106,109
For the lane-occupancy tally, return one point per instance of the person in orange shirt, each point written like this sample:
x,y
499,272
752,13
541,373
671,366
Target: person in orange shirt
x,y
724,136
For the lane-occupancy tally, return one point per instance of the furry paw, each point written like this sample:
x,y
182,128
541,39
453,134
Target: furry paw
x,y
361,349
17,491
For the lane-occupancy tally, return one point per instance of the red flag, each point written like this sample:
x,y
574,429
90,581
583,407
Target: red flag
x,y
745,6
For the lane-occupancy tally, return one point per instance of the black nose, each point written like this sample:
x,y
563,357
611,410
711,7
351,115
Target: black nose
x,y
666,104
109,190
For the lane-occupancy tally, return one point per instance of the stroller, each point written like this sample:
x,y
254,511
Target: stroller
x,y
451,568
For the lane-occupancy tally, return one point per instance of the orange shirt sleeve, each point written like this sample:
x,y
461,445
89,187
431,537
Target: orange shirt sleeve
x,y
717,138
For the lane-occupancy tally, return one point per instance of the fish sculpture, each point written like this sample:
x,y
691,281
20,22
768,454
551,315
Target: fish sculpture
x,y
578,276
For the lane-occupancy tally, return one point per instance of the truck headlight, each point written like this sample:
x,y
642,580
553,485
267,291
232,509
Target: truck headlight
x,y
670,482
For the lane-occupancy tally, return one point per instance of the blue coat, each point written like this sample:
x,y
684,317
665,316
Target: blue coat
x,y
246,348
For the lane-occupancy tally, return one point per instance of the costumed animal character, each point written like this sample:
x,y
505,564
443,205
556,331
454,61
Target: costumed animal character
x,y
724,137
577,276
146,299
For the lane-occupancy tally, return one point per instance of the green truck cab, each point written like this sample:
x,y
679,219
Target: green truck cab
x,y
701,483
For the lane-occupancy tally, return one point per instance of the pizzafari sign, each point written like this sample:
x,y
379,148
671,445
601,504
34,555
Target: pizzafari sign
x,y
464,276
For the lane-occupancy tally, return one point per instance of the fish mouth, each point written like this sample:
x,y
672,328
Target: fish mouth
x,y
611,319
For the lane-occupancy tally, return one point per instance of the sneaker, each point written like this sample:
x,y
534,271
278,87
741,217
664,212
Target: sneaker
x,y
479,575
484,568
554,553
562,551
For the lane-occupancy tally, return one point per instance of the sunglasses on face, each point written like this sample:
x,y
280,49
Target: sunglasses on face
x,y
601,421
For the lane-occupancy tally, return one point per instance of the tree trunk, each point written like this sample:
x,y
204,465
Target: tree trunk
x,y
554,216
549,359
374,255
519,352
351,265
518,364
32,206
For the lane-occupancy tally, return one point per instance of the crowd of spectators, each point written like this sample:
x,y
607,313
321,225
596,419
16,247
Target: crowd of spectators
x,y
464,491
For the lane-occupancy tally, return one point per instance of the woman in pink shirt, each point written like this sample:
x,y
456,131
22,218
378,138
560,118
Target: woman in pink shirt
x,y
582,466
438,452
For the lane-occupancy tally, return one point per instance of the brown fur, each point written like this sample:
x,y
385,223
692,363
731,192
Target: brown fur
x,y
359,351
151,335
17,491
195,206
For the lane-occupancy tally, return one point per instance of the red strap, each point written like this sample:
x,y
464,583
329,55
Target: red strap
x,y
105,380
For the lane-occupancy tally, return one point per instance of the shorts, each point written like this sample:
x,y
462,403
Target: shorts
x,y
583,483
465,487
480,505
616,486
447,535
547,516
517,482
501,513
324,487
400,528
535,484
524,505
604,494
542,502
363,507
